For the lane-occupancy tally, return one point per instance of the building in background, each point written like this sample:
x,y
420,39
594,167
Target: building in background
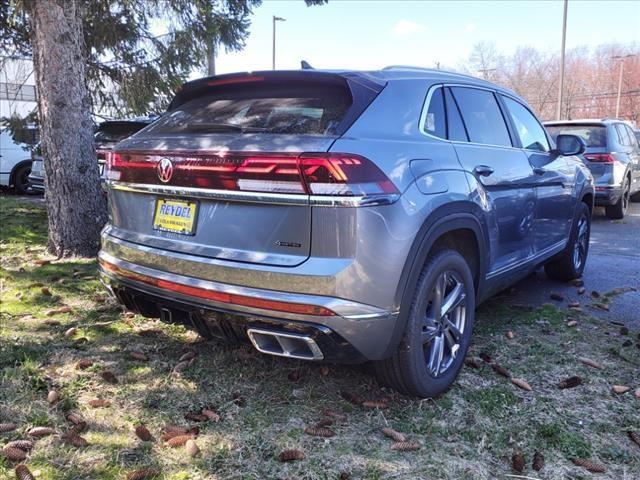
x,y
17,87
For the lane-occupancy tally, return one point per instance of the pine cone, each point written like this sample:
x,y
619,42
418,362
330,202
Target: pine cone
x,y
7,427
74,418
472,362
375,404
195,417
325,422
84,364
40,431
191,448
13,454
143,433
23,473
179,440
144,474
570,382
634,436
74,439
538,461
211,415
290,455
99,402
500,370
139,356
351,397
53,396
518,382
25,445
405,446
79,428
190,355
591,363
485,357
394,435
109,377
589,465
517,462
340,417
319,431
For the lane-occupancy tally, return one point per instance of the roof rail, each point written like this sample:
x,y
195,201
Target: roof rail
x,y
408,67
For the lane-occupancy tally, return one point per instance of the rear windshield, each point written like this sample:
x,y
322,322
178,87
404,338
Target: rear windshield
x,y
299,110
114,132
593,135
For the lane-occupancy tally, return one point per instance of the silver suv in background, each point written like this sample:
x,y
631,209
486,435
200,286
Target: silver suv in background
x,y
612,155
342,216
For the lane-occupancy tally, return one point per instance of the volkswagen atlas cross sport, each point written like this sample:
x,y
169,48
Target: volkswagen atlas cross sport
x,y
342,216
612,155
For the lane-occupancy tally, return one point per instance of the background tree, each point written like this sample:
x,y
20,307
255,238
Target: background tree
x,y
104,52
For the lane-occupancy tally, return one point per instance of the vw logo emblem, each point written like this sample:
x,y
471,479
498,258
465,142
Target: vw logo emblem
x,y
164,169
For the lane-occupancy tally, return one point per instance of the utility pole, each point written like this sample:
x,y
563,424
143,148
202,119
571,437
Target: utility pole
x,y
622,59
561,82
273,57
211,59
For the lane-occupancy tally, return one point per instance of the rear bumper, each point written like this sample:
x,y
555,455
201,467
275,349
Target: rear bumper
x,y
36,182
607,194
348,331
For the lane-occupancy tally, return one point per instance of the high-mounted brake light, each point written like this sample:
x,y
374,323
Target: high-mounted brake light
x,y
330,174
217,296
231,81
600,157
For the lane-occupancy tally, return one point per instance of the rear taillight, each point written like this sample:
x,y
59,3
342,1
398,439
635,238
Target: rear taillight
x,y
334,174
600,157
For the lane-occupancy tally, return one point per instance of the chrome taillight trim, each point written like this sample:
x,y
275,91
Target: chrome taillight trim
x,y
256,197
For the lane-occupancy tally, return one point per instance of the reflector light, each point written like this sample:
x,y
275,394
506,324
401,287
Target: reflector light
x,y
333,174
600,157
217,296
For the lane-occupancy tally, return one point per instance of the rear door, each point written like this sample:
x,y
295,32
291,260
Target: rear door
x,y
635,160
502,170
553,179
219,175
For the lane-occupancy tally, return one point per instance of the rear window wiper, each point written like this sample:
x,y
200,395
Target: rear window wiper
x,y
222,127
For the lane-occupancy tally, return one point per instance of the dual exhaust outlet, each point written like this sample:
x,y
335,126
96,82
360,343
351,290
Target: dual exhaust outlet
x,y
288,345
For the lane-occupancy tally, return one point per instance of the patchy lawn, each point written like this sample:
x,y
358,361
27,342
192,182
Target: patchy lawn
x,y
265,403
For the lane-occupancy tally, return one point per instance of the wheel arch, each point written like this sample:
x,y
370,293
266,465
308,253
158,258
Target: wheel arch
x,y
16,167
462,230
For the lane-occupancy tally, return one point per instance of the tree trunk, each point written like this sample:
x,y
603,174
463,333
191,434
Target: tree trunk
x,y
75,204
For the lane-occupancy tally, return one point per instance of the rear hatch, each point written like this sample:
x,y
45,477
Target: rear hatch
x,y
595,137
220,175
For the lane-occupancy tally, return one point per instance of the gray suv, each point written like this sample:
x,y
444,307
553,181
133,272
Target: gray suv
x,y
612,155
342,216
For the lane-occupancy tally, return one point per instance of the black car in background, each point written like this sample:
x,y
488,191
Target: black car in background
x,y
106,136
612,155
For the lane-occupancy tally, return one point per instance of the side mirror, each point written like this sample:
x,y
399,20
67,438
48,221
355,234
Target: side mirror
x,y
570,145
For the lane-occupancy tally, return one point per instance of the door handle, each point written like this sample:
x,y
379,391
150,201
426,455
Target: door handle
x,y
539,171
483,170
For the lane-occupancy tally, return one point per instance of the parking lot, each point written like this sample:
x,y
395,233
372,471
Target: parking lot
x,y
614,263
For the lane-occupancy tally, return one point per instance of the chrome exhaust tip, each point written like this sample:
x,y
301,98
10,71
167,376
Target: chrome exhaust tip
x,y
288,345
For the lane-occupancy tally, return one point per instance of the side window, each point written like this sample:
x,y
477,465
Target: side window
x,y
482,116
529,130
435,120
632,136
455,127
623,135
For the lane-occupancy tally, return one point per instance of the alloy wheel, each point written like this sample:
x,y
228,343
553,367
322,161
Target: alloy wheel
x,y
444,322
582,242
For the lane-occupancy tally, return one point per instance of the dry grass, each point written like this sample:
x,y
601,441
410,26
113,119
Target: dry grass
x,y
469,433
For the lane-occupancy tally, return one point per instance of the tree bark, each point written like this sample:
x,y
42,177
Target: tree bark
x,y
76,206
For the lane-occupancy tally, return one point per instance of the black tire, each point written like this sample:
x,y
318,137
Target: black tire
x,y
618,210
408,370
567,267
21,182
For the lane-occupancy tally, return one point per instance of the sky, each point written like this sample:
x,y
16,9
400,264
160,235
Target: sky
x,y
370,34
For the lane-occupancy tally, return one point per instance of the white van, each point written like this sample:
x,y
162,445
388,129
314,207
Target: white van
x,y
15,160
